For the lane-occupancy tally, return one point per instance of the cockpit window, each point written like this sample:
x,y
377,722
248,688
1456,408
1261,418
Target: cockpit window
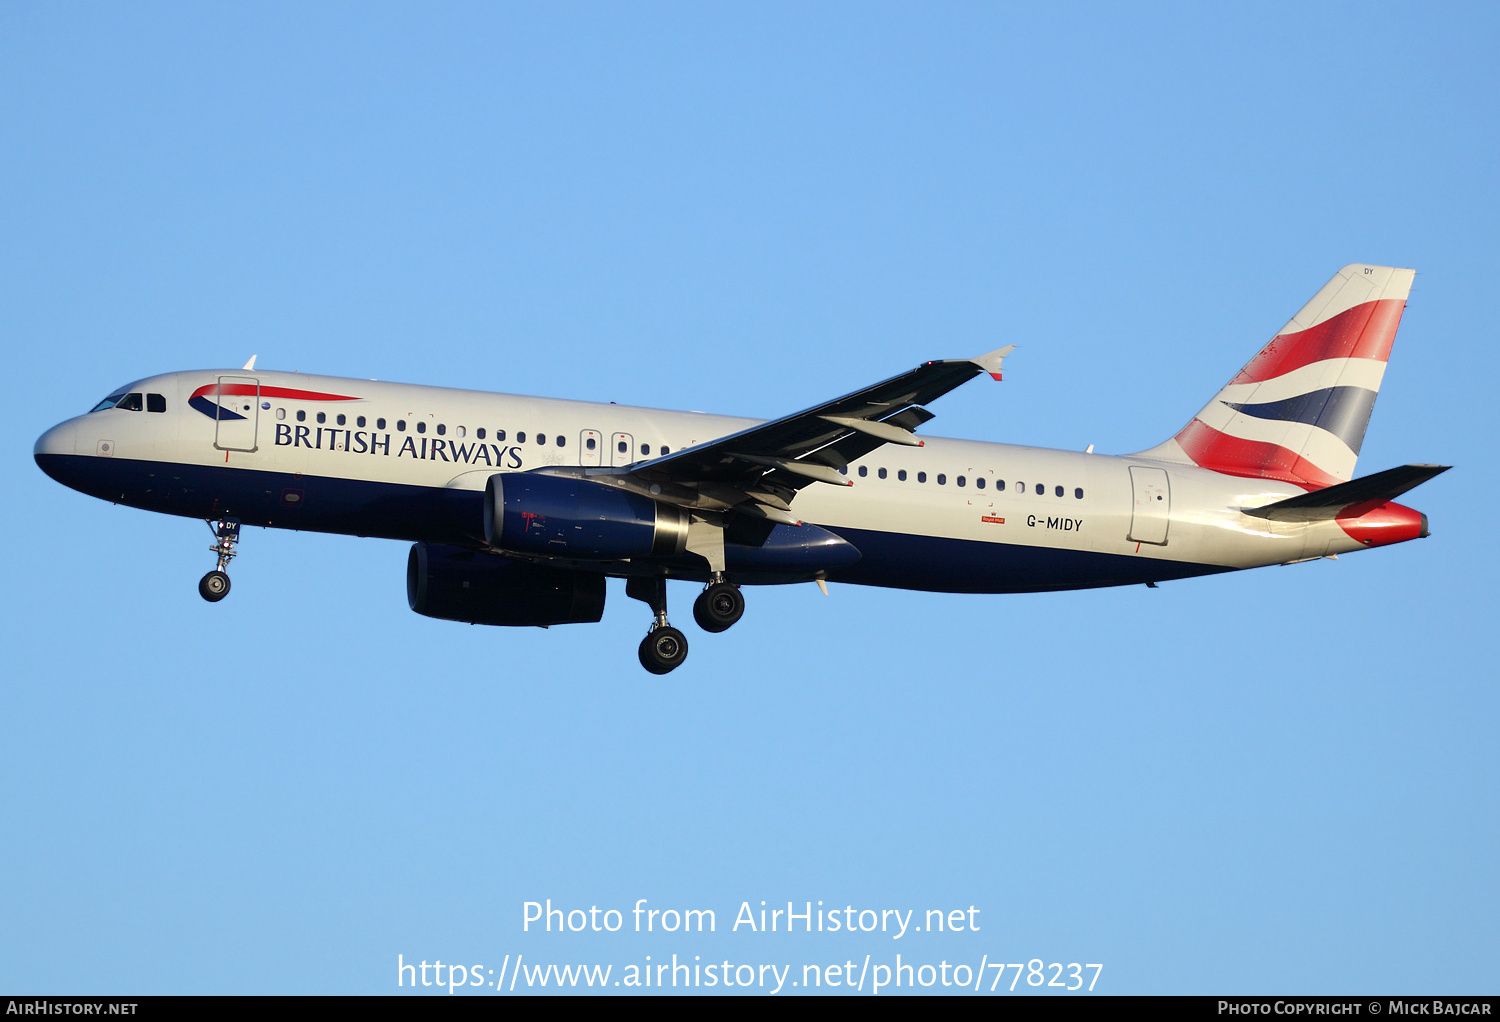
x,y
108,402
156,403
130,402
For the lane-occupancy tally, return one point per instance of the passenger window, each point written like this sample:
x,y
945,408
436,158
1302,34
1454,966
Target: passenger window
x,y
901,474
400,425
459,432
1078,493
844,470
421,426
341,420
666,450
1040,489
280,414
130,402
479,433
301,415
380,424
156,403
1059,491
921,477
591,443
360,422
979,482
645,448
521,437
500,435
942,479
562,441
960,480
541,439
623,447
999,484
322,417
442,430
881,473
863,471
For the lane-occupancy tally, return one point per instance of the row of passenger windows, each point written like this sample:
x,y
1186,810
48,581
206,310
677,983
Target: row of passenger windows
x,y
624,447
441,429
979,482
132,403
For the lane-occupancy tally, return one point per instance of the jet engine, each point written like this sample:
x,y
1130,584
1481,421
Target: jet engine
x,y
482,589
569,517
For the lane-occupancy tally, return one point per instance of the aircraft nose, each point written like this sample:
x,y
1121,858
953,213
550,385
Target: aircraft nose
x,y
57,440
53,446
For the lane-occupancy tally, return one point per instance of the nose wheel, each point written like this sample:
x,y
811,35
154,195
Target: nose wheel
x,y
664,648
718,607
214,586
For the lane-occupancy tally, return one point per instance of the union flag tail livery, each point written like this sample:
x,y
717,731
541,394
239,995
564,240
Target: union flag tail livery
x,y
1297,412
519,509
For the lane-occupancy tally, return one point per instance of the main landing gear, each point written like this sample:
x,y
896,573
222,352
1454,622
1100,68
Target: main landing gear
x,y
664,648
718,606
214,586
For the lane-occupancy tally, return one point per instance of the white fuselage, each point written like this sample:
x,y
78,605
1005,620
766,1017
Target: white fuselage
x,y
452,440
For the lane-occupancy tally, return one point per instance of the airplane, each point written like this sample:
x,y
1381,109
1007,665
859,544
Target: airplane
x,y
519,508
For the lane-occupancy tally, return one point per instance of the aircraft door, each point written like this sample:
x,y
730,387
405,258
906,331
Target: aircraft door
x,y
621,446
590,448
238,413
1151,512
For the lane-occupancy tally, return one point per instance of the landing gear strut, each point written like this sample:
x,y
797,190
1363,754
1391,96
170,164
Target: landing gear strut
x,y
664,648
214,586
718,606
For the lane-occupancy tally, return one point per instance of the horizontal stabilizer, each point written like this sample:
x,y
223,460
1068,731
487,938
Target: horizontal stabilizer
x,y
1351,499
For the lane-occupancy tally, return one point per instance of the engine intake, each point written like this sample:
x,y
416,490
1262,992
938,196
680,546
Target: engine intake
x,y
456,584
569,517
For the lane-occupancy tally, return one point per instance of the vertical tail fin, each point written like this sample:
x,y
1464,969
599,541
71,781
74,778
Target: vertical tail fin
x,y
1298,411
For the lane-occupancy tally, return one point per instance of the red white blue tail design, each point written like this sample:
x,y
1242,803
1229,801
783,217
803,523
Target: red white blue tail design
x,y
1298,411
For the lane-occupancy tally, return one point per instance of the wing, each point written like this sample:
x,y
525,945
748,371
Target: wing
x,y
760,469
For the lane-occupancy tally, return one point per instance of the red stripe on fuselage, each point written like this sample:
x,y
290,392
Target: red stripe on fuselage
x,y
1365,331
1255,459
241,389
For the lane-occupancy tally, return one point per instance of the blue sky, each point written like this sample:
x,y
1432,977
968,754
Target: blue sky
x,y
1280,781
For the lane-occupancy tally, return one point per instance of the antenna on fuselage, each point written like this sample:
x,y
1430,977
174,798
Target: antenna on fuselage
x,y
250,364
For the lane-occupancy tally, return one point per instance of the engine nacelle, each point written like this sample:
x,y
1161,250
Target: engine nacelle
x,y
565,516
456,584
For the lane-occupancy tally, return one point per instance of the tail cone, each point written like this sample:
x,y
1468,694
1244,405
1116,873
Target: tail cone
x,y
1386,524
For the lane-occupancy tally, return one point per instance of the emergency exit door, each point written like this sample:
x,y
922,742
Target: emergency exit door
x,y
590,448
620,446
1152,510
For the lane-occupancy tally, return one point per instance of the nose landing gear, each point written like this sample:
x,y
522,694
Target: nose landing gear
x,y
214,586
719,606
664,648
